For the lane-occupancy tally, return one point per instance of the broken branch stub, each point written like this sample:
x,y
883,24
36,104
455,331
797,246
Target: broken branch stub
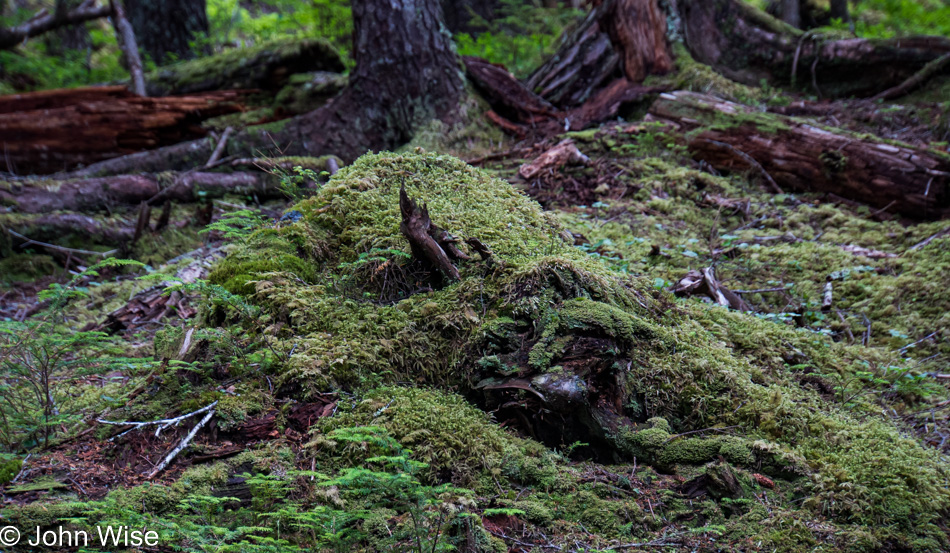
x,y
417,227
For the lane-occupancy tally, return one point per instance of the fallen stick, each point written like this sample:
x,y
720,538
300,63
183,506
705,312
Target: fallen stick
x,y
30,242
163,424
184,443
219,149
930,70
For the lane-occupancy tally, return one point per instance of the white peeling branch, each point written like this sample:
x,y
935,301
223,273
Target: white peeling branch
x,y
162,424
184,443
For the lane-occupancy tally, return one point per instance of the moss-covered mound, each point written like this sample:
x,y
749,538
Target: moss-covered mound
x,y
565,350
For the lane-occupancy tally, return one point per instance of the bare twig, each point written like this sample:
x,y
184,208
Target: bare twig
x,y
129,46
162,424
929,239
750,160
30,241
184,443
219,149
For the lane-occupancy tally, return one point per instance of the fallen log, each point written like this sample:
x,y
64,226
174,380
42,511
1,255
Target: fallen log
x,y
104,193
894,177
747,45
267,66
56,130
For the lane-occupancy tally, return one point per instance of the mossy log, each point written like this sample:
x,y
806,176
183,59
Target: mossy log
x,y
56,130
748,45
100,194
890,176
267,66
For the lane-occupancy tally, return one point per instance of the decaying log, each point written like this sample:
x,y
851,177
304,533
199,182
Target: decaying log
x,y
564,153
705,283
56,130
748,45
103,193
52,227
619,38
898,178
424,237
267,66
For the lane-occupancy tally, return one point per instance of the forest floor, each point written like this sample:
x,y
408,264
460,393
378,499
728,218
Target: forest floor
x,y
586,387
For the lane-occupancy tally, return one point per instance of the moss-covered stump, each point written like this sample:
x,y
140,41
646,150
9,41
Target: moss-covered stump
x,y
266,66
564,349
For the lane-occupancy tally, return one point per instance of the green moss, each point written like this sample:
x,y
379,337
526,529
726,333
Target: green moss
x,y
26,267
550,313
250,67
450,435
9,467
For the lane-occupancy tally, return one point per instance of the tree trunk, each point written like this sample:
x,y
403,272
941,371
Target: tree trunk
x,y
792,12
839,10
407,74
898,178
466,16
166,27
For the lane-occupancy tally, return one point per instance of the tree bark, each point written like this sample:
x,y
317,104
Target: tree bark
x,y
102,194
839,10
389,96
55,130
166,27
618,38
898,178
792,12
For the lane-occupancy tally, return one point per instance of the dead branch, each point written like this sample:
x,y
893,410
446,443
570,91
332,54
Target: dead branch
x,y
44,22
29,242
129,46
705,283
219,149
417,227
565,153
162,424
182,445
